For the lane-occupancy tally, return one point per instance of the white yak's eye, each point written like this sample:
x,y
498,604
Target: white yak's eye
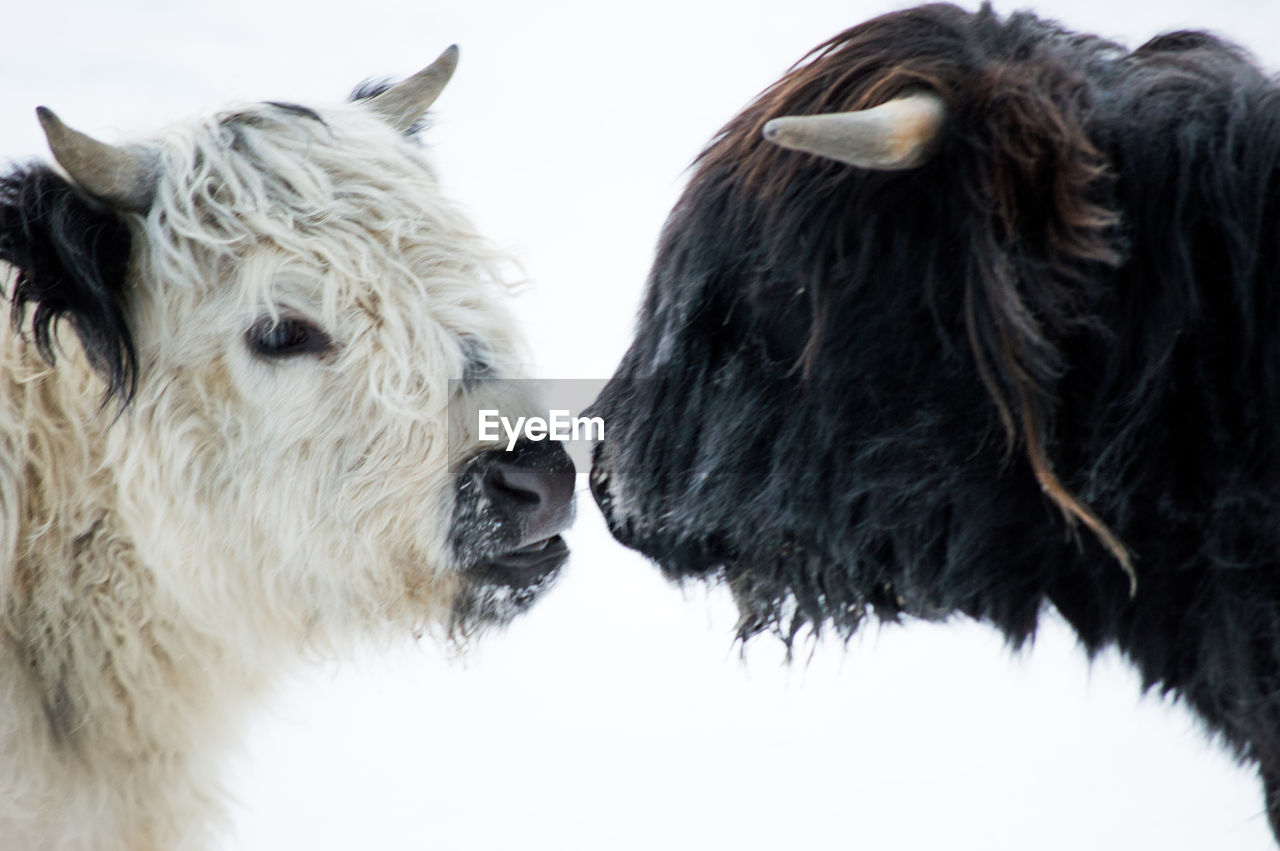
x,y
284,337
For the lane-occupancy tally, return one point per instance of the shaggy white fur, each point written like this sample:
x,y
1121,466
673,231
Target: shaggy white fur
x,y
160,565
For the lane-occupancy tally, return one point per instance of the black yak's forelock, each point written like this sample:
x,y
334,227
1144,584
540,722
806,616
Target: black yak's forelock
x,y
1028,213
982,385
71,256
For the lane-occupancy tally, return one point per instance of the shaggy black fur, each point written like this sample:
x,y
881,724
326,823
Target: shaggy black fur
x,y
995,382
371,88
71,254
295,109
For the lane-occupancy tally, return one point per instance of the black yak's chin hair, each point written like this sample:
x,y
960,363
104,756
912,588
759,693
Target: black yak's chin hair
x,y
787,590
782,584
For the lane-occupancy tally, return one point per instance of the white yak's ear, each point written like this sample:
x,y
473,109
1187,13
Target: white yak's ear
x,y
900,134
405,102
122,177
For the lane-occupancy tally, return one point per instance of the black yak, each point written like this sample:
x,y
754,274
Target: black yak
x,y
974,314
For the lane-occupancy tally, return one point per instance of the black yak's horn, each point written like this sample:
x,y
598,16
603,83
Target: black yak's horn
x,y
121,177
890,137
406,101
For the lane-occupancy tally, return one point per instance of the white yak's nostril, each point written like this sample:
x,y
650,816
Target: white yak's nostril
x,y
533,488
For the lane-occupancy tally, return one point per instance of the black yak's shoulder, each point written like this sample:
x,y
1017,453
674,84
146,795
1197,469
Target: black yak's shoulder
x,y
71,256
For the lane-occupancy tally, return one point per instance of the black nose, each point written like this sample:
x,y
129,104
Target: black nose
x,y
533,485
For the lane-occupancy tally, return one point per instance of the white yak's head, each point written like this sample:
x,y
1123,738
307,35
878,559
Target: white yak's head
x,y
277,296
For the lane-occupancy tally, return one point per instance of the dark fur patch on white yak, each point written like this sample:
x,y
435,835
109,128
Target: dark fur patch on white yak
x,y
71,254
371,88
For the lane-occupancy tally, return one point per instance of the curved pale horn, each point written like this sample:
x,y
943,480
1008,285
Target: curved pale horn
x,y
123,178
896,135
406,101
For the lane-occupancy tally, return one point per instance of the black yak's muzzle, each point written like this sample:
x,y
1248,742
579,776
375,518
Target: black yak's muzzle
x,y
509,510
677,549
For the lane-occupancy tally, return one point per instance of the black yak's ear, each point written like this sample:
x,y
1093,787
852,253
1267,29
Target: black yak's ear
x,y
1049,234
71,256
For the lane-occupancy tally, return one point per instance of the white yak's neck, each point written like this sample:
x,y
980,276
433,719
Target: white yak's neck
x,y
115,704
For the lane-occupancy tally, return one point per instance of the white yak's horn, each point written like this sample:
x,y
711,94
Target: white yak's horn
x,y
123,178
406,101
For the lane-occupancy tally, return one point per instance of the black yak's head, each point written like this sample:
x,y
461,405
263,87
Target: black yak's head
x,y
867,341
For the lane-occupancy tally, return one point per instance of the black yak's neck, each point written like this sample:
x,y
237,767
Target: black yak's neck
x,y
1166,423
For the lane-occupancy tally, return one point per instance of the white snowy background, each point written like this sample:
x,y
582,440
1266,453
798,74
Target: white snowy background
x,y
618,714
